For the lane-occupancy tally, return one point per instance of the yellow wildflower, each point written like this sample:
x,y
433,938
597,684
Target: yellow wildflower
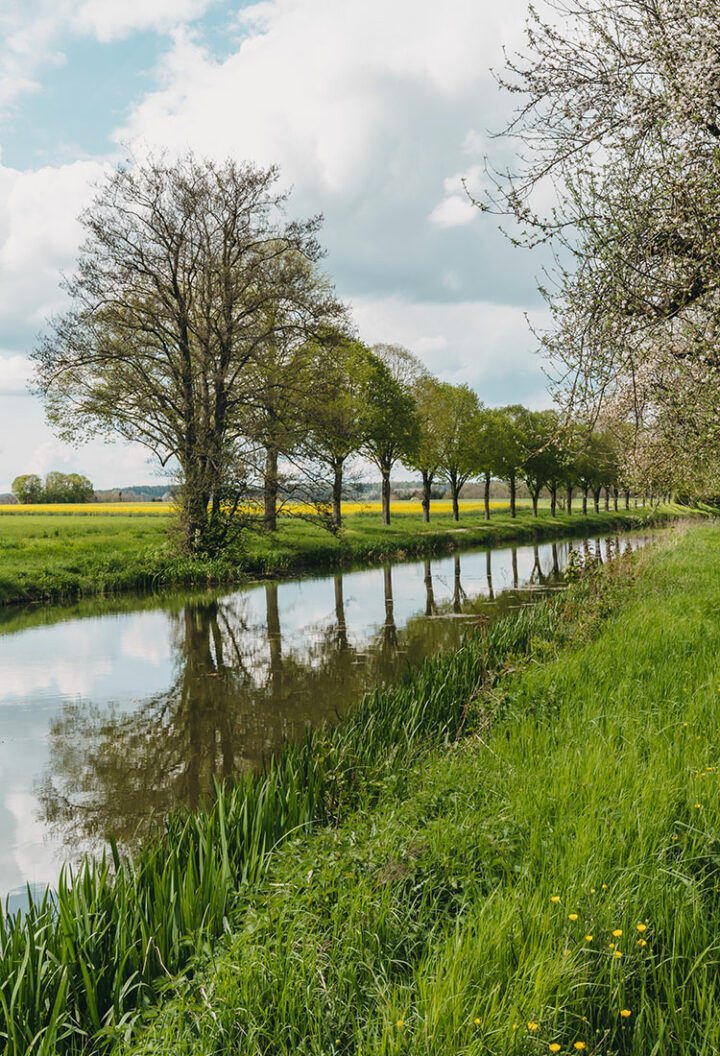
x,y
399,1023
588,938
642,942
477,1021
580,1045
572,916
554,898
533,1026
618,954
625,1012
641,927
554,1047
617,933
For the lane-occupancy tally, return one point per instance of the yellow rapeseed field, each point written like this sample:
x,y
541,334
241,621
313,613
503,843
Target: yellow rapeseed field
x,y
437,506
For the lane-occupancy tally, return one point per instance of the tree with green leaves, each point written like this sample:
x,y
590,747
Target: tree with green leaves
x,y
390,425
335,407
28,488
188,270
427,456
459,434
509,450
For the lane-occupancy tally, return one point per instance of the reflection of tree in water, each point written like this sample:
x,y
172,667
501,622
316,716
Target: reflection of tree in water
x,y
238,692
241,687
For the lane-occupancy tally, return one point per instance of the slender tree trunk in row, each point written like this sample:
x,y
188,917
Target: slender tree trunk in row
x,y
596,499
487,496
455,496
534,497
627,499
512,495
607,499
569,499
584,502
337,491
553,500
270,489
615,498
385,495
427,479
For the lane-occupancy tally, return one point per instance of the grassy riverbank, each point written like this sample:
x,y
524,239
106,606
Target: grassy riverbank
x,y
479,835
547,881
63,556
69,974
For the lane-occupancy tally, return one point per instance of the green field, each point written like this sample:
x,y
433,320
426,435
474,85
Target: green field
x,y
551,879
66,555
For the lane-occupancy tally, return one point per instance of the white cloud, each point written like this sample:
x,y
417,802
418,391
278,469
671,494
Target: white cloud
x,y
329,90
453,212
488,346
110,19
15,373
39,235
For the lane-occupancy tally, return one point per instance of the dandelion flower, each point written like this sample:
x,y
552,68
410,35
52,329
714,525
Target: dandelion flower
x,y
641,927
604,887
617,933
554,898
477,1021
588,938
579,1045
618,954
515,1026
697,806
625,1012
533,1026
572,916
566,951
612,945
554,1047
642,942
399,1023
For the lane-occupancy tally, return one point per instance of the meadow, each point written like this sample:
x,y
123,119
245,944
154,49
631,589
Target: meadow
x,y
75,552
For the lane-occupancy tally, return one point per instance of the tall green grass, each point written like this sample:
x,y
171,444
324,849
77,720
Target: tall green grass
x,y
84,962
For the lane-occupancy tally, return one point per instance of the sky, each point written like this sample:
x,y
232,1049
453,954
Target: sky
x,y
375,111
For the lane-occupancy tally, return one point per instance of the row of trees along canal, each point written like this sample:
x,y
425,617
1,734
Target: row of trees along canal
x,y
201,326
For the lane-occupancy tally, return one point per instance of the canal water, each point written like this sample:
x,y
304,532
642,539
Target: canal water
x,y
112,711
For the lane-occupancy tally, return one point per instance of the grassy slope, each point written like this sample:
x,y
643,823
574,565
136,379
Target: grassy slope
x,y
48,556
444,921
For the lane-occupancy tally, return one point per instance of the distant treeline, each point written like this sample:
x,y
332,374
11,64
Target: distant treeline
x,y
56,487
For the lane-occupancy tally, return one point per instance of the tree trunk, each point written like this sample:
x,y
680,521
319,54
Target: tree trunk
x,y
385,495
534,497
270,489
195,515
553,500
512,495
615,498
569,499
607,499
596,499
584,504
627,499
427,479
337,491
487,496
455,491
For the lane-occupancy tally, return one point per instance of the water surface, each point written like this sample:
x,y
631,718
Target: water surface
x,y
113,711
